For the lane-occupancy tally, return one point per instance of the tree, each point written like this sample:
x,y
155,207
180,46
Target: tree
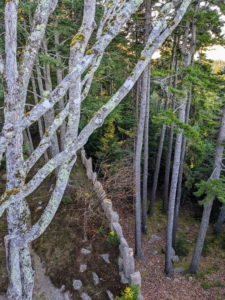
x,y
83,64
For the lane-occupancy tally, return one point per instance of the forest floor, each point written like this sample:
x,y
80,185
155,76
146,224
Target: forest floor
x,y
208,284
78,224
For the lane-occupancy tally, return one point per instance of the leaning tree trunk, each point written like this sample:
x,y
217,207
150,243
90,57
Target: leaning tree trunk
x,y
208,206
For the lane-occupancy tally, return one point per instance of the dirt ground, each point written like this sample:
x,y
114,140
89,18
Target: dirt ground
x,y
208,284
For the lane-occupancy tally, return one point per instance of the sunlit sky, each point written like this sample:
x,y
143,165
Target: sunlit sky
x,y
216,53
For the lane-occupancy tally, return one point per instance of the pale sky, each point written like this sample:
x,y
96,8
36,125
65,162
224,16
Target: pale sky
x,y
216,53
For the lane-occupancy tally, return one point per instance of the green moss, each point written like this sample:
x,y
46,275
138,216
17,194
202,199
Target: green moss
x,y
89,52
79,37
142,58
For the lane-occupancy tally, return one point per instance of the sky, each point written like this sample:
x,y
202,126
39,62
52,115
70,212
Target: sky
x,y
216,53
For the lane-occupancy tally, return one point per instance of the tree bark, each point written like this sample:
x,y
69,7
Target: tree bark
x,y
208,206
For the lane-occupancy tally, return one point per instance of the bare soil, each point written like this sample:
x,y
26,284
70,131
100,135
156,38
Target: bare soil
x,y
208,284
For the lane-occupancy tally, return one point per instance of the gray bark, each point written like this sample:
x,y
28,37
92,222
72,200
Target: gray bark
x,y
21,275
162,137
208,207
146,124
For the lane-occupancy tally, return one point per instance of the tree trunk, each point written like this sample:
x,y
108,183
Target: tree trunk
x,y
162,136
180,180
146,125
208,206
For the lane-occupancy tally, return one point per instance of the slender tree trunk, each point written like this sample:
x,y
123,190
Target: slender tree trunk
x,y
170,142
208,206
173,189
180,179
59,79
145,167
162,137
139,142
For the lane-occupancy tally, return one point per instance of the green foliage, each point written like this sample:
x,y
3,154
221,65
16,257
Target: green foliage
x,y
181,247
210,188
223,242
205,249
130,293
207,285
113,238
101,230
66,199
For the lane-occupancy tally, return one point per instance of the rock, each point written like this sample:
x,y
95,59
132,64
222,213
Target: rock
x,y
128,261
85,296
175,258
123,243
172,252
168,278
67,296
179,270
140,297
110,295
85,251
95,277
40,203
77,284
135,278
155,252
106,203
118,229
154,238
123,278
190,278
176,280
39,207
105,257
62,289
83,268
4,177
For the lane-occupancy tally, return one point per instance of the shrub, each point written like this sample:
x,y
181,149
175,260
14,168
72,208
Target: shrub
x,y
113,238
130,293
66,199
181,247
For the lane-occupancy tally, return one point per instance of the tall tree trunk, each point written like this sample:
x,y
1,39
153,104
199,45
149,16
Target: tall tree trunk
x,y
180,179
145,166
59,79
208,206
162,136
170,143
173,189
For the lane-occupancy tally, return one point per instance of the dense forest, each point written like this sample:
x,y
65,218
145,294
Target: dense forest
x,y
79,74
